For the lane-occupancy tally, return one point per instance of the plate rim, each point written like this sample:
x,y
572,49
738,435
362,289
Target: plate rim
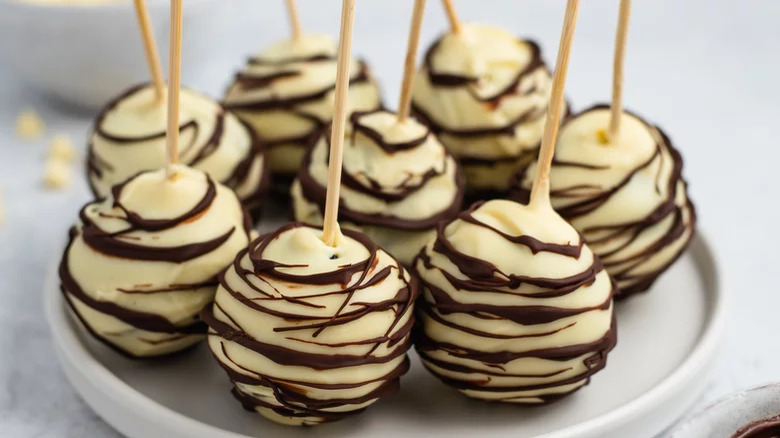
x,y
70,348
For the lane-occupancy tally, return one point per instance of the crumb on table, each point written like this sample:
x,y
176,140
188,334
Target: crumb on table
x,y
56,174
29,125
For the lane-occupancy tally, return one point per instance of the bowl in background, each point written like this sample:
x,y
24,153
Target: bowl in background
x,y
724,417
84,52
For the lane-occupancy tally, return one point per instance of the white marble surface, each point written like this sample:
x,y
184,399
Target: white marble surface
x,y
705,70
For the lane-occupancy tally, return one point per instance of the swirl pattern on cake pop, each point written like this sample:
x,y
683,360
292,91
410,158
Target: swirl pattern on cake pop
x,y
515,308
398,181
484,92
310,333
286,94
142,263
129,137
626,196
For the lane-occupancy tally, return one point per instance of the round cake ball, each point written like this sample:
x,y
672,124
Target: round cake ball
x,y
143,263
398,181
310,333
516,307
484,92
129,137
625,195
286,94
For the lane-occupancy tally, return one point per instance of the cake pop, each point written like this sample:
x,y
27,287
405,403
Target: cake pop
x,y
618,180
516,308
129,136
142,263
312,325
286,94
484,93
398,182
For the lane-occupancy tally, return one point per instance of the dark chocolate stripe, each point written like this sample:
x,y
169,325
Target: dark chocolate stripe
x,y
275,102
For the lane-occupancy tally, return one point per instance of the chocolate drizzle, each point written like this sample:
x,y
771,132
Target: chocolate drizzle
x,y
579,201
481,278
315,191
192,154
126,244
449,80
765,428
253,289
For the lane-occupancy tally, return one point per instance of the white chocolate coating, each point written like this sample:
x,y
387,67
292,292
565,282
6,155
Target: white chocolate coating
x,y
397,182
515,307
485,93
140,268
625,195
129,137
310,333
286,94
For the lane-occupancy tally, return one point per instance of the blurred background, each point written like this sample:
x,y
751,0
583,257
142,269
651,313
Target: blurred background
x,y
704,70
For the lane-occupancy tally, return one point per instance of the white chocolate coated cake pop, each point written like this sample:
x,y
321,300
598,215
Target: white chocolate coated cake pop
x,y
286,94
484,92
129,137
516,308
626,195
398,181
143,263
310,333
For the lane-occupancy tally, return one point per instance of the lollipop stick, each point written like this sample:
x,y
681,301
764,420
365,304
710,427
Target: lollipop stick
x,y
174,83
617,69
330,227
295,23
540,192
409,64
150,47
452,15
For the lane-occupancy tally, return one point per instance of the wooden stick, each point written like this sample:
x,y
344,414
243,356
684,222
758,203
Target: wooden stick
x,y
405,101
617,69
540,192
174,83
295,23
330,226
150,47
453,16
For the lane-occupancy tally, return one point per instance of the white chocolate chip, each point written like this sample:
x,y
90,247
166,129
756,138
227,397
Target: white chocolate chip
x,y
56,174
61,148
29,125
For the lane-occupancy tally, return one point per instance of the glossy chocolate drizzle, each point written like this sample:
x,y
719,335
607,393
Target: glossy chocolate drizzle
x,y
450,80
765,428
591,197
315,192
97,166
246,81
483,277
120,244
354,279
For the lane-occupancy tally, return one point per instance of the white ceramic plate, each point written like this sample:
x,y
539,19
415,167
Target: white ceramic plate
x,y
667,340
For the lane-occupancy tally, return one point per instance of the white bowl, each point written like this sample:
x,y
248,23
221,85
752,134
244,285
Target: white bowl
x,y
84,53
723,418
